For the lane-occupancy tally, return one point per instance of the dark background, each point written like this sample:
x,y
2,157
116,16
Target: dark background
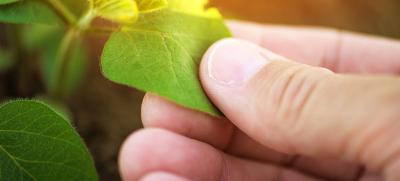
x,y
380,17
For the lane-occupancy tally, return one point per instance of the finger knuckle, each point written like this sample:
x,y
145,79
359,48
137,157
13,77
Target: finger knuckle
x,y
290,89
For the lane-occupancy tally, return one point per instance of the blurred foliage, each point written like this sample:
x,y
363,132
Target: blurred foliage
x,y
77,10
6,60
368,16
32,11
45,41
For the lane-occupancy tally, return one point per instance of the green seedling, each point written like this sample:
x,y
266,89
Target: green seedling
x,y
153,45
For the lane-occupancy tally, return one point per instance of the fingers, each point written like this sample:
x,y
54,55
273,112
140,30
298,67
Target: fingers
x,y
336,50
218,132
156,150
160,113
301,109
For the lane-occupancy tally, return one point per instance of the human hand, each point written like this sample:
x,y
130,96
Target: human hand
x,y
323,124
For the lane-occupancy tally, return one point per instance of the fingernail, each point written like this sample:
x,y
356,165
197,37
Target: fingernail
x,y
233,62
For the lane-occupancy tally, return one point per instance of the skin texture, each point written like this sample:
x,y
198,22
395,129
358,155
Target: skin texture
x,y
291,120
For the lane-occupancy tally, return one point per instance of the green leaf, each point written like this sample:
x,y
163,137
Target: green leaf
x,y
58,106
8,1
28,12
161,54
146,6
36,143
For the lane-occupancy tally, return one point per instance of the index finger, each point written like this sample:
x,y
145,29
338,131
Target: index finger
x,y
339,51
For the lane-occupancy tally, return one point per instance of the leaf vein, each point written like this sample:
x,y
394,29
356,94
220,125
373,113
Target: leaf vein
x,y
16,163
45,136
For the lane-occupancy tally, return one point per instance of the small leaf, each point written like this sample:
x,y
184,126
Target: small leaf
x,y
146,6
120,11
161,54
8,1
36,143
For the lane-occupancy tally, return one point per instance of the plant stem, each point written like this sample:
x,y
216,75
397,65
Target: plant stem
x,y
76,28
63,54
60,8
86,20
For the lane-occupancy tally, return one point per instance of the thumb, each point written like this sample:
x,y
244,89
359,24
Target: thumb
x,y
305,110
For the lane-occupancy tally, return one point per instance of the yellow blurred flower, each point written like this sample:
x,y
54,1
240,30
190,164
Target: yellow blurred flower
x,y
194,7
120,11
127,11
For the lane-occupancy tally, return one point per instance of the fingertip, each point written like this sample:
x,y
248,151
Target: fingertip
x,y
127,158
156,111
140,152
231,62
151,150
146,110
